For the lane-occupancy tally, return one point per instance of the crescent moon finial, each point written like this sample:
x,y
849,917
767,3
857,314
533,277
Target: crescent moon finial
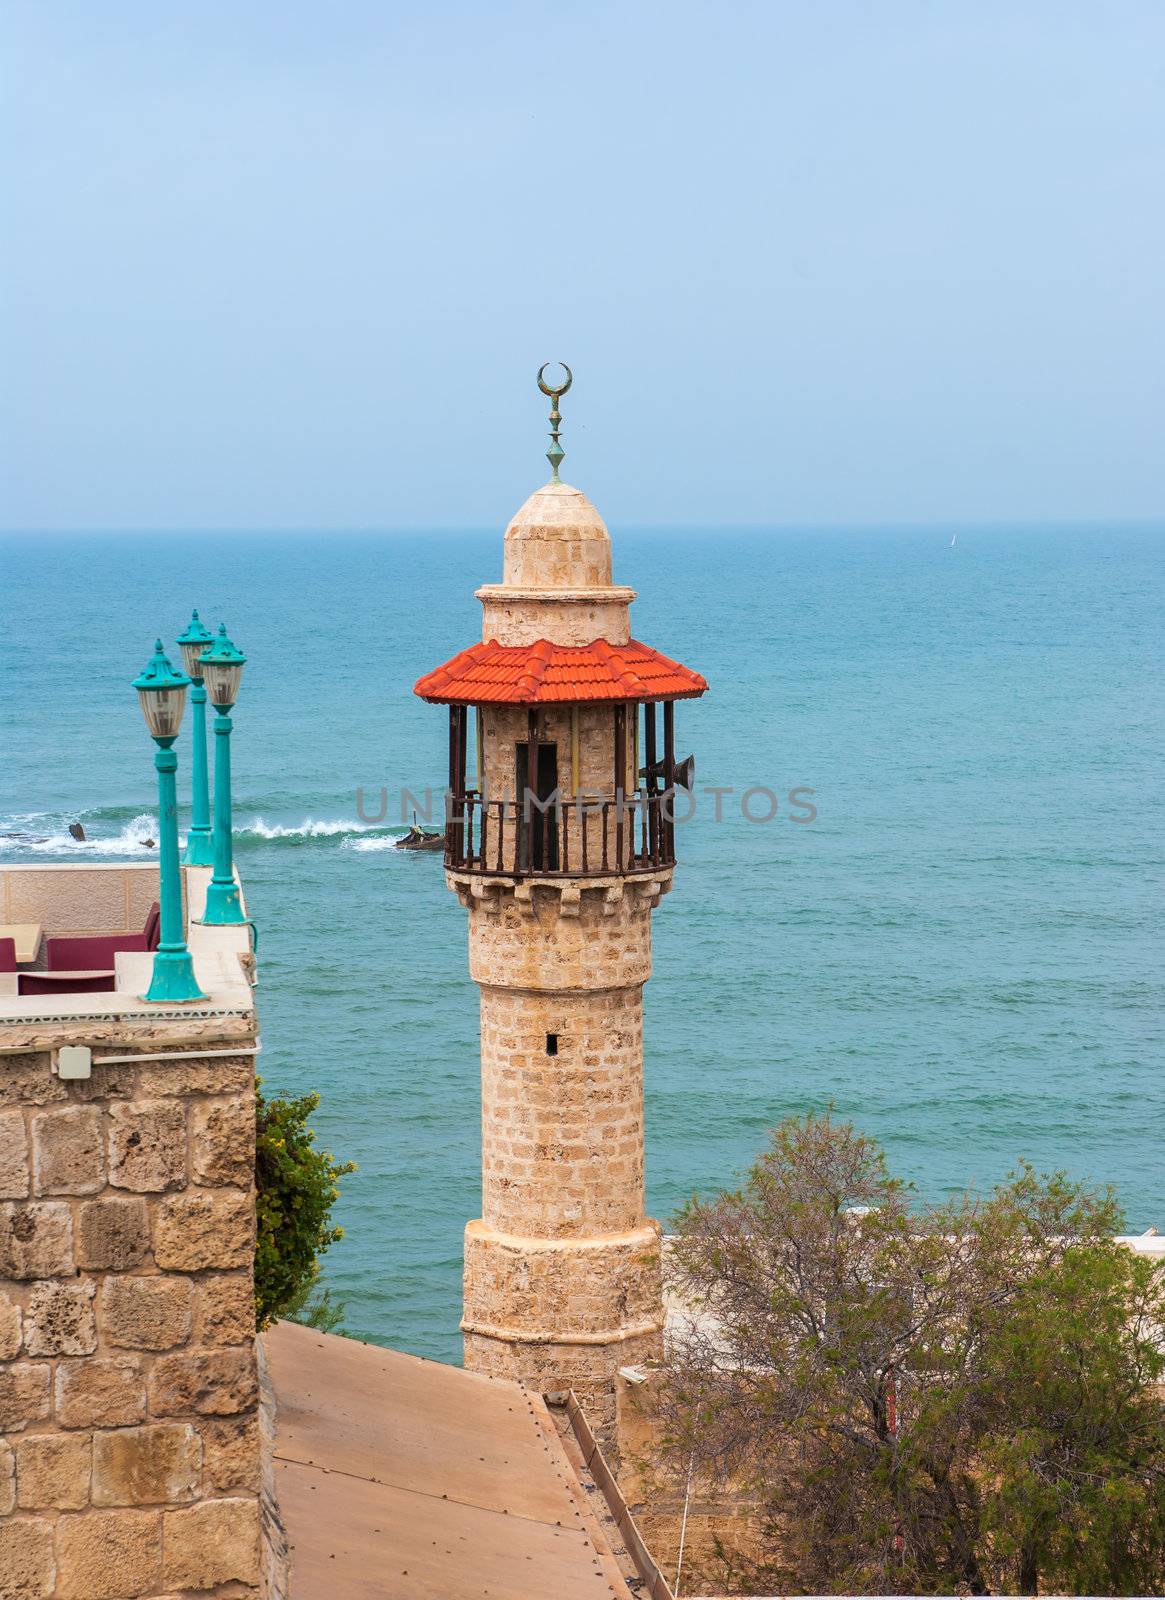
x,y
562,388
555,454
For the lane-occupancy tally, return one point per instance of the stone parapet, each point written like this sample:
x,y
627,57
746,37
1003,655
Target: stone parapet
x,y
580,935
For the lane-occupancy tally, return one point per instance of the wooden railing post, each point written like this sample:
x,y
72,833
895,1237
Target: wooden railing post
x,y
651,783
669,762
620,780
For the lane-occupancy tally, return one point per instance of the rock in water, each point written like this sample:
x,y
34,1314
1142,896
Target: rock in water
x,y
77,831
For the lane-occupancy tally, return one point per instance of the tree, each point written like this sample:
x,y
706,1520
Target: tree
x,y
1074,1441
296,1186
861,1362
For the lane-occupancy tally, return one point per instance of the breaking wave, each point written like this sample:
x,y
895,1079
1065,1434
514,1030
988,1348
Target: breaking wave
x,y
346,834
301,832
123,832
43,834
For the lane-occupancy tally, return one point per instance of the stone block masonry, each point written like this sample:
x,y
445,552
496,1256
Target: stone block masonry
x,y
562,1270
129,1431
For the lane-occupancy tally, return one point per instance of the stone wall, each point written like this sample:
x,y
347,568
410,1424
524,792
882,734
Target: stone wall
x,y
102,898
505,727
719,1519
562,1135
129,1440
579,616
553,1366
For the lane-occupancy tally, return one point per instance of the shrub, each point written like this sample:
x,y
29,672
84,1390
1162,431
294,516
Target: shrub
x,y
297,1187
314,1307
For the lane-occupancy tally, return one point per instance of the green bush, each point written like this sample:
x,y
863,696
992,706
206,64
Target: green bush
x,y
313,1307
297,1187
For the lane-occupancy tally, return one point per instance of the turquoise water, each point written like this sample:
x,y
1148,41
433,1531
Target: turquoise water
x,y
960,951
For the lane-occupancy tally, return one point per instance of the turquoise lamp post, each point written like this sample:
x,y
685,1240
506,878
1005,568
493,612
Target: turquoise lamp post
x,y
162,693
199,850
222,667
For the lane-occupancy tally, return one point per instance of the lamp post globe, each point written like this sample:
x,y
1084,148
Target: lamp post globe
x,y
222,671
162,693
199,850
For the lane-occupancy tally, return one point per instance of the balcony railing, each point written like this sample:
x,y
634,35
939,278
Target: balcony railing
x,y
579,838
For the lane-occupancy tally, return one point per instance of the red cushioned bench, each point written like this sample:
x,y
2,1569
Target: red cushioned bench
x,y
65,983
97,951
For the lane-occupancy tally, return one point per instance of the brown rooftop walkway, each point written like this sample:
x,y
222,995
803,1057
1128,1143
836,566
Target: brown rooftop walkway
x,y
401,1477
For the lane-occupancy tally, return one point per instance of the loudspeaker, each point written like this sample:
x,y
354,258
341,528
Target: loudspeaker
x,y
682,774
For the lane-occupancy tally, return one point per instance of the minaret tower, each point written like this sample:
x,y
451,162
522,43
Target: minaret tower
x,y
559,843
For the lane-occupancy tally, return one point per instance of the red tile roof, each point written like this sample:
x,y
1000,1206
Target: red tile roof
x,y
543,674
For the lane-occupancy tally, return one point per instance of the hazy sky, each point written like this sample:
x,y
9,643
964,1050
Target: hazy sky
x,y
295,265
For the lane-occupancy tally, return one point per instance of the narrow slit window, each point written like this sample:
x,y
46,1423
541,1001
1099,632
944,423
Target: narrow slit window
x,y
551,1044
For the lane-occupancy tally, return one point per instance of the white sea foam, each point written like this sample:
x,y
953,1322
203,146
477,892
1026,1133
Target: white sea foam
x,y
377,842
348,834
46,834
52,837
309,829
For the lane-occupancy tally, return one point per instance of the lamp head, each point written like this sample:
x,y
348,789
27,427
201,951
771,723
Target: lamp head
x,y
222,668
162,692
192,643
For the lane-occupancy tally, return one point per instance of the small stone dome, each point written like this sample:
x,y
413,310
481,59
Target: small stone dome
x,y
557,540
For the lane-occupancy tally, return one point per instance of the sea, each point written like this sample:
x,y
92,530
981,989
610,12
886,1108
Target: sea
x,y
950,934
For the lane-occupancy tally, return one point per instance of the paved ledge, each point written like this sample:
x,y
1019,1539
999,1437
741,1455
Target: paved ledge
x,y
44,1021
72,899
397,1477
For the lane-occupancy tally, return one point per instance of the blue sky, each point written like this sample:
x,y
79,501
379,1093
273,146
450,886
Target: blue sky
x,y
295,265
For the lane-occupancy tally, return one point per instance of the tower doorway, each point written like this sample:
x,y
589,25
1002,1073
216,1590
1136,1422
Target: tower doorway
x,y
538,831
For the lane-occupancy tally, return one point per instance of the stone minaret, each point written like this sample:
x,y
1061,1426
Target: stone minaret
x,y
560,851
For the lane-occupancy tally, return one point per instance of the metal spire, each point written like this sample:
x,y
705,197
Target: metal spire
x,y
555,454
